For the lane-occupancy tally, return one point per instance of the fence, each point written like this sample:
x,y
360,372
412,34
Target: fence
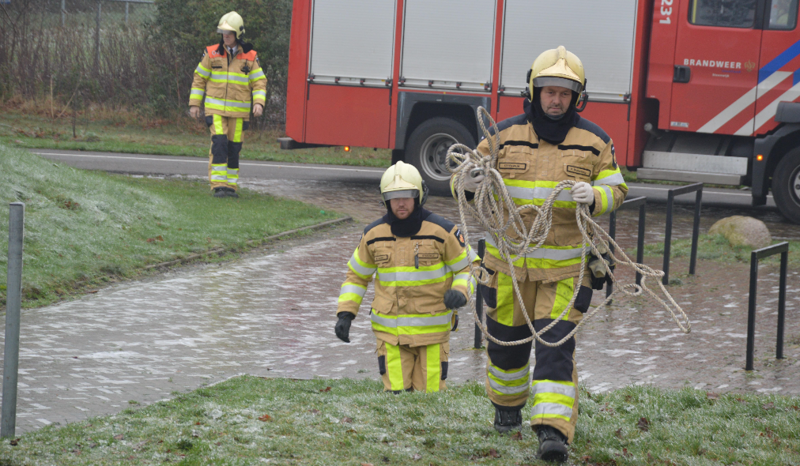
x,y
783,250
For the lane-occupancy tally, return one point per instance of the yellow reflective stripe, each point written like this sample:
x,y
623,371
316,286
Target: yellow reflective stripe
x,y
233,176
226,108
505,299
394,367
564,292
523,380
356,298
413,282
203,71
218,129
605,193
535,262
237,133
433,366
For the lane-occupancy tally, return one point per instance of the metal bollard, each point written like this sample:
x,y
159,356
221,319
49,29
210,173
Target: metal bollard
x,y
479,300
13,303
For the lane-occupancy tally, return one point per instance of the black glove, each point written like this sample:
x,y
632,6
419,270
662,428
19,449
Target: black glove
x,y
343,326
454,299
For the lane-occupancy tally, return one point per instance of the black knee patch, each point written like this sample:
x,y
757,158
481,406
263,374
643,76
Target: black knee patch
x,y
219,148
209,121
584,298
245,125
508,357
234,148
382,364
444,370
554,363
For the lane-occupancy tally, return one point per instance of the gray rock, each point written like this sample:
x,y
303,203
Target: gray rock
x,y
742,231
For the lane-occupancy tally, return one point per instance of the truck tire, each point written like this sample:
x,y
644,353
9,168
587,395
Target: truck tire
x,y
786,185
427,150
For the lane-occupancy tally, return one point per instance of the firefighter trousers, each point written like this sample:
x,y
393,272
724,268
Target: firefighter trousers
x,y
419,368
554,384
226,144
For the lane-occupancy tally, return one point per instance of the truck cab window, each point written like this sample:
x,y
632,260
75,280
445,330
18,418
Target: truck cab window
x,y
724,13
782,14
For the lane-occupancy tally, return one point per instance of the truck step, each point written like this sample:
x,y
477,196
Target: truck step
x,y
693,177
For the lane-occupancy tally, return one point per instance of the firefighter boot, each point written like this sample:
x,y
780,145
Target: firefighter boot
x,y
220,192
507,418
552,444
230,192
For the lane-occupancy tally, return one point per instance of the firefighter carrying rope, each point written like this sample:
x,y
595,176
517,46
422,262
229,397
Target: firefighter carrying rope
x,y
537,150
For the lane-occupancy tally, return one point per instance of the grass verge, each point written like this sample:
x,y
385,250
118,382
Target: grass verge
x,y
113,130
717,248
249,420
86,228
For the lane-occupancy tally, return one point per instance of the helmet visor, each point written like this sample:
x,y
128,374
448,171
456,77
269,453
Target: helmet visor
x,y
406,193
544,81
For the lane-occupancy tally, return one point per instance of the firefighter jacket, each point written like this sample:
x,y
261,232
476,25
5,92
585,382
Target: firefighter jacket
x,y
413,274
228,82
531,168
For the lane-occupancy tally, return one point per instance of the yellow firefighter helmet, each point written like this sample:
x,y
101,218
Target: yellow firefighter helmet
x,y
231,22
557,67
403,180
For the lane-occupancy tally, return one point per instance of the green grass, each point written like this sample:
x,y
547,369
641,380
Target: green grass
x,y
249,420
717,248
126,132
85,228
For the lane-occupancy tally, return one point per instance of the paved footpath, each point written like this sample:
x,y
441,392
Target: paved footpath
x,y
271,313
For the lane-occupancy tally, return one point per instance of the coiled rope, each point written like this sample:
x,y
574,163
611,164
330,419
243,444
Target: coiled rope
x,y
492,199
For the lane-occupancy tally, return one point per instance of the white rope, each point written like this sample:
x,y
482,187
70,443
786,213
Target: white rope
x,y
492,200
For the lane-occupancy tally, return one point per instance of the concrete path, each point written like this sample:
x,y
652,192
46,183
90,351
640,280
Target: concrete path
x,y
271,313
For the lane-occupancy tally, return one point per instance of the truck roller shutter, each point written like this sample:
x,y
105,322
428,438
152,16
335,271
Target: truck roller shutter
x,y
601,34
448,44
351,41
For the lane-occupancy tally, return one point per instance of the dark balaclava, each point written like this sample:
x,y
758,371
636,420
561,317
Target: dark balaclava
x,y
552,130
411,225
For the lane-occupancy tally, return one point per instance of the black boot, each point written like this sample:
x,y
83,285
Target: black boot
x,y
507,419
220,192
231,192
552,444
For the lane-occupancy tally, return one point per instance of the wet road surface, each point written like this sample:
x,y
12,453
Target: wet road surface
x,y
271,313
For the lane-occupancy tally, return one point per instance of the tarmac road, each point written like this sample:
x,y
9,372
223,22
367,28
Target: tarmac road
x,y
259,170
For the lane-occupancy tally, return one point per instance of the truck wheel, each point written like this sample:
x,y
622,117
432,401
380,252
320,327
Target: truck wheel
x,y
786,185
427,150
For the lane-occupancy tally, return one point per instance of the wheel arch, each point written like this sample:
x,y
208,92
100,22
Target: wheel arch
x,y
414,108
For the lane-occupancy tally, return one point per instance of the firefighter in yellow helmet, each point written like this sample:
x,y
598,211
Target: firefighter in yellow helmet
x,y
422,266
546,144
229,76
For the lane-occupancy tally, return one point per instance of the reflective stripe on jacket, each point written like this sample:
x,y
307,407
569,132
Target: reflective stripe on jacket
x,y
229,84
531,169
411,275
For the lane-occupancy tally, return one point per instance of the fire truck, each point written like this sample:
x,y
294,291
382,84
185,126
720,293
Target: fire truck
x,y
688,90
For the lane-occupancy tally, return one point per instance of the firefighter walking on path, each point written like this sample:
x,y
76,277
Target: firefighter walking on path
x,y
229,75
422,266
545,145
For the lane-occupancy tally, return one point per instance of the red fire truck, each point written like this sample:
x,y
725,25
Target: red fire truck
x,y
689,90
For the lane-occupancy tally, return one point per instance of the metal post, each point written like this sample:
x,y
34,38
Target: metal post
x,y
751,311
781,304
695,230
63,12
97,37
13,304
640,242
479,301
668,237
126,12
612,232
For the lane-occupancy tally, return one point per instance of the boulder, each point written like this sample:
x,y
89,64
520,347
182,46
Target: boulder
x,y
743,231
